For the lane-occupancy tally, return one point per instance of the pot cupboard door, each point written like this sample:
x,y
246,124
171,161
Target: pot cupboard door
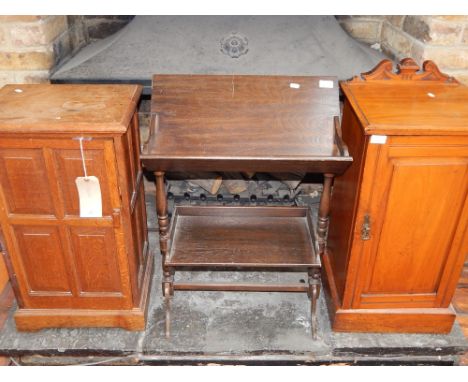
x,y
60,259
415,219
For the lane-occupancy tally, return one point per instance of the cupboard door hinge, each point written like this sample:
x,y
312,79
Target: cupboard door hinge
x,y
366,227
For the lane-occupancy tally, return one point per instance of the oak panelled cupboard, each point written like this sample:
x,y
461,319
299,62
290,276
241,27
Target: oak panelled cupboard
x,y
68,270
398,221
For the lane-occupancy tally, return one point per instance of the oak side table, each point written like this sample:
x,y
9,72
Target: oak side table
x,y
248,124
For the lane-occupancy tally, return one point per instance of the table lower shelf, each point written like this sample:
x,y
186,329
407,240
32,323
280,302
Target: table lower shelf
x,y
242,237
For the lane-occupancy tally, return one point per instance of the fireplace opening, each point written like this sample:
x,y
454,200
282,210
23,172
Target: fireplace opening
x,y
256,45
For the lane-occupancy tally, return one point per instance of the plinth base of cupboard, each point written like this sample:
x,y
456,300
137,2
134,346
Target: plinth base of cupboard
x,y
433,320
31,320
401,320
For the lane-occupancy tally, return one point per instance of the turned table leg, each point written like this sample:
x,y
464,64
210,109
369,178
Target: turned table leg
x,y
163,221
314,292
168,311
324,210
322,231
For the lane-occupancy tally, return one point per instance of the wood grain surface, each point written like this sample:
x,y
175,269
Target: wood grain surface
x,y
69,270
398,236
68,108
344,200
238,122
410,102
241,236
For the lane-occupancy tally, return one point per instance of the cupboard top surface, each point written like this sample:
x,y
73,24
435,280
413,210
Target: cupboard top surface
x,y
222,116
412,100
67,108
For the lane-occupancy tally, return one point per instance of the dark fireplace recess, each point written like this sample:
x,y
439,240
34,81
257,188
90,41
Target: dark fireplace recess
x,y
261,45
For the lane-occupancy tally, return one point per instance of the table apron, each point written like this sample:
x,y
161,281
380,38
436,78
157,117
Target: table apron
x,y
334,166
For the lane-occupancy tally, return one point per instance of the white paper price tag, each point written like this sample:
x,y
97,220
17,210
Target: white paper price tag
x,y
325,84
89,192
378,139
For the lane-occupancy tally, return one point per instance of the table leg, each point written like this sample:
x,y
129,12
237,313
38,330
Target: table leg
x,y
163,222
324,210
168,309
314,292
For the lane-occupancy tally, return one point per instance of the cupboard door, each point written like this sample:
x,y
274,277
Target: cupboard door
x,y
42,256
69,166
60,259
417,213
23,177
97,268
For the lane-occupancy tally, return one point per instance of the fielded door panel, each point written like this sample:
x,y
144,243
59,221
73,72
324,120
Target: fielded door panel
x,y
60,259
416,214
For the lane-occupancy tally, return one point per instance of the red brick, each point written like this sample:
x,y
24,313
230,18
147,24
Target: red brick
x,y
463,321
448,57
37,77
465,36
396,39
444,33
39,33
24,18
2,36
452,18
460,300
7,77
396,20
26,60
364,30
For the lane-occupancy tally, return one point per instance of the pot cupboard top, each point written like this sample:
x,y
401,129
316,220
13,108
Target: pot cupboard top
x,y
410,102
67,108
233,117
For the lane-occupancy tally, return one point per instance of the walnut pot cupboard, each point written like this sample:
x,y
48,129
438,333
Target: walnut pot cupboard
x,y
398,220
67,270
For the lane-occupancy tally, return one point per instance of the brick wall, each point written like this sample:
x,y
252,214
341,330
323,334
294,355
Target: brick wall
x,y
443,39
363,28
32,46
